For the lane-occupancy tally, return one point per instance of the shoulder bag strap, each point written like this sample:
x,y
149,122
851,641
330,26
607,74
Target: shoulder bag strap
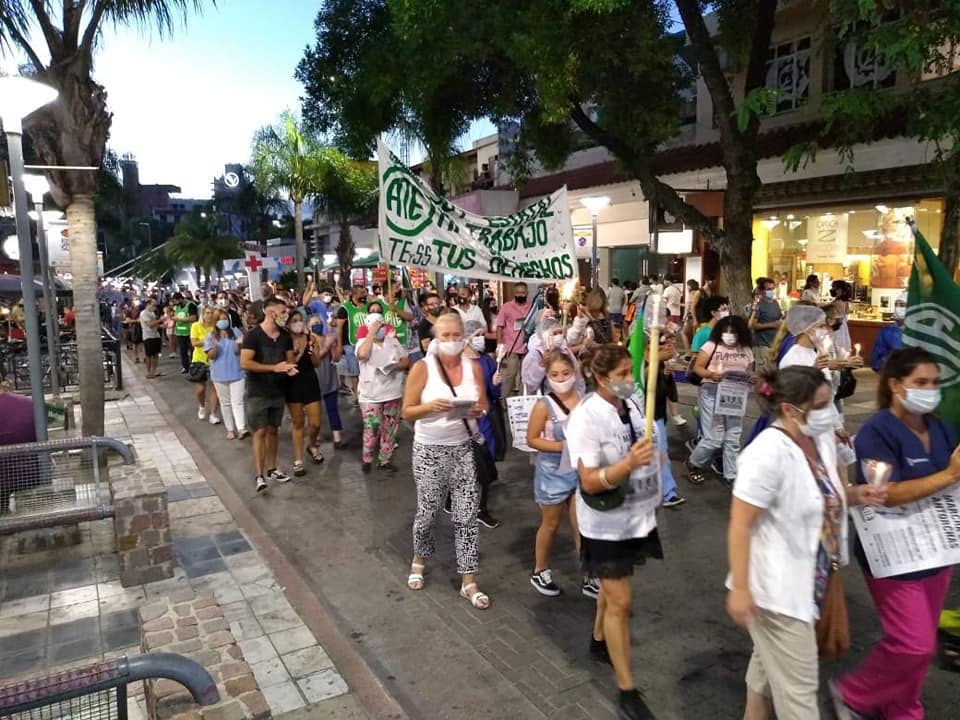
x,y
446,379
553,396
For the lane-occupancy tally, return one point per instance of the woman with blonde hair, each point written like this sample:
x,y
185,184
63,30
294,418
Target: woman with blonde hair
x,y
199,368
222,346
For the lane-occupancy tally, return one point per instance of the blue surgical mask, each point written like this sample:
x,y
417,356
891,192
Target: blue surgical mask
x,y
770,294
223,324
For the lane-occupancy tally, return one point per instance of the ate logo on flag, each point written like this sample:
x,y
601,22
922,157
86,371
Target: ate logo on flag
x,y
936,329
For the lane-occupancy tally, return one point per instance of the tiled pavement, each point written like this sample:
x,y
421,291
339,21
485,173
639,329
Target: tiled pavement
x,y
66,606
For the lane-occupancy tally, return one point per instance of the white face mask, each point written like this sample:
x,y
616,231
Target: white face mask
x,y
373,318
729,338
478,343
724,313
554,341
819,421
563,386
296,327
899,312
921,400
326,299
450,347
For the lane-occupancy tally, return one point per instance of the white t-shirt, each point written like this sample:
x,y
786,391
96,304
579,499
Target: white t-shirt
x,y
374,385
807,357
773,474
597,436
473,312
671,298
615,300
149,333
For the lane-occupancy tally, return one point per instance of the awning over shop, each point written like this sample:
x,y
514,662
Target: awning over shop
x,y
370,261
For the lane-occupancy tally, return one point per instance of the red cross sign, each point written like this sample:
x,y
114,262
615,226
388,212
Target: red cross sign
x,y
253,263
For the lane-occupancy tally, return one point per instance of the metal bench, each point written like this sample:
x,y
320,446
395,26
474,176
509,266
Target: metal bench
x,y
58,482
99,691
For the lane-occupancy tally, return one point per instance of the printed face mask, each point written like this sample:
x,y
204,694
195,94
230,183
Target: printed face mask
x,y
623,389
280,320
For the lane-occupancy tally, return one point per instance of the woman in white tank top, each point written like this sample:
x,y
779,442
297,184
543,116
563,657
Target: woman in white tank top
x,y
443,452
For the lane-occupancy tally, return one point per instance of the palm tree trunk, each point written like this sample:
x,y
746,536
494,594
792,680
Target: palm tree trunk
x,y
298,241
345,250
83,266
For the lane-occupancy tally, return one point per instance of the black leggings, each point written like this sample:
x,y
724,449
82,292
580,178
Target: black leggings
x,y
186,350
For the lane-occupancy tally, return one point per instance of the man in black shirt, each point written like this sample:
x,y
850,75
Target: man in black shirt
x,y
431,306
264,358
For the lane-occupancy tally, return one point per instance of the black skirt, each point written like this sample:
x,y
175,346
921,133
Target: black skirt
x,y
612,559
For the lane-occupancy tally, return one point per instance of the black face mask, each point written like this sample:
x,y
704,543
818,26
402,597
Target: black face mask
x,y
362,301
520,299
433,311
836,326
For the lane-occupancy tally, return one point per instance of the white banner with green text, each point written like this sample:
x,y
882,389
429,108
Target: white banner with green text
x,y
420,229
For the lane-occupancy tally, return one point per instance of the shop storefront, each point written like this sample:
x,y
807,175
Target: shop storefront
x,y
869,246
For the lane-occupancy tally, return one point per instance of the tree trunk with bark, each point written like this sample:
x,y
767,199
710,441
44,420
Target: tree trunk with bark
x,y
83,266
298,242
345,251
950,234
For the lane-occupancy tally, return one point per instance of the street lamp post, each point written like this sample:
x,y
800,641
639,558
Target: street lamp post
x,y
595,205
38,186
18,98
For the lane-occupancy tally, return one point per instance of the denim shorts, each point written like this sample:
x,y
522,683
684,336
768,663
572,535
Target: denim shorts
x,y
349,365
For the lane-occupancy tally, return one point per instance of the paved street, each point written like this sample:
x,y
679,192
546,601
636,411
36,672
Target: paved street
x,y
348,535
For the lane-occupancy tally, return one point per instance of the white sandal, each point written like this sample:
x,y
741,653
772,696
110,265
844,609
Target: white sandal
x,y
415,579
479,600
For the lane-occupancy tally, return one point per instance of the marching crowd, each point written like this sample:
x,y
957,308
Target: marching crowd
x,y
447,363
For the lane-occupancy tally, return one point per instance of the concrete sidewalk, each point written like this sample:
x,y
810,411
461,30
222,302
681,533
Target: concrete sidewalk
x,y
65,606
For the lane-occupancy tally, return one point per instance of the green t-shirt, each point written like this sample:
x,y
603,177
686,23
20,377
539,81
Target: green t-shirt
x,y
180,314
355,316
399,324
700,338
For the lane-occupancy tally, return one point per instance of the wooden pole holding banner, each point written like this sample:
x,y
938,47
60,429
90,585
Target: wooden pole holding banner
x,y
389,283
653,367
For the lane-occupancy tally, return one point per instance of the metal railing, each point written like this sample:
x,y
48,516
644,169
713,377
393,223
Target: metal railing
x,y
15,368
57,482
99,691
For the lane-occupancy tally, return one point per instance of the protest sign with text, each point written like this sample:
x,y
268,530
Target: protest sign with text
x,y
420,229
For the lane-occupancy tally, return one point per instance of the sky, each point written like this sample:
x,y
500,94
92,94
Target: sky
x,y
186,104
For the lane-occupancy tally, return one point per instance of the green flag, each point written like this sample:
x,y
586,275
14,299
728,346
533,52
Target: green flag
x,y
636,347
933,321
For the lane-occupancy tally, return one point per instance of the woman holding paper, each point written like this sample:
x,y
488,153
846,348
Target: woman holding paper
x,y
918,451
617,499
443,451
382,360
787,535
729,350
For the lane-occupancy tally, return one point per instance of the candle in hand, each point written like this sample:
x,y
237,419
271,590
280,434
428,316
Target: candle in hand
x,y
856,348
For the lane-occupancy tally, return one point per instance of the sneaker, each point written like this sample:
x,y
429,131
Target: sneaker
x,y
366,468
171,356
388,467
633,707
840,707
674,501
278,476
231,435
543,583
716,466
487,520
241,434
214,419
679,420
202,413
590,587
261,484
694,474
598,651
183,371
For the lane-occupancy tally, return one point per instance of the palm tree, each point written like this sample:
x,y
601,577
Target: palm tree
x,y
347,193
286,162
73,132
197,242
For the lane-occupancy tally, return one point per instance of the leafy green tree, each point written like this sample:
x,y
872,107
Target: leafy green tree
x,y
605,70
347,194
921,41
58,40
197,242
286,162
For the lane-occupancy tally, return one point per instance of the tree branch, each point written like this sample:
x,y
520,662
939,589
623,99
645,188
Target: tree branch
x,y
93,26
654,189
50,34
755,76
23,44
